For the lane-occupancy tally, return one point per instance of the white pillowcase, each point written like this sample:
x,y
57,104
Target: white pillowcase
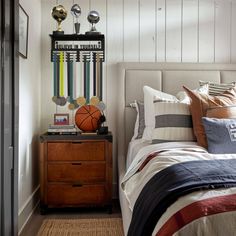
x,y
183,97
173,123
150,95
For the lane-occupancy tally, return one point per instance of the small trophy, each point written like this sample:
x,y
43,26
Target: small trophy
x,y
93,18
76,12
59,13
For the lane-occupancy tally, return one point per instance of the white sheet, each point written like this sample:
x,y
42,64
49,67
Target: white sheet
x,y
134,147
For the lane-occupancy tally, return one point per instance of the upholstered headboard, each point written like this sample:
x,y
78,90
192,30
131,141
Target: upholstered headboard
x,y
168,77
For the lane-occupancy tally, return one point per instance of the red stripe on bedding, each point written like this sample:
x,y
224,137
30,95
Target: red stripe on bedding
x,y
149,158
197,210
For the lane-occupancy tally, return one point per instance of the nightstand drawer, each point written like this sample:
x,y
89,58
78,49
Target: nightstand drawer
x,y
76,151
75,171
65,194
84,172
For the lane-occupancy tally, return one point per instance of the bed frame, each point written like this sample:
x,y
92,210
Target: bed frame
x,y
167,77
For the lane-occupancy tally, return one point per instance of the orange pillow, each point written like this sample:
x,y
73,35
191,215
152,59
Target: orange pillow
x,y
227,112
200,103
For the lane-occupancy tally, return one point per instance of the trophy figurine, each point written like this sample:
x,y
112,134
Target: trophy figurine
x,y
93,18
76,12
59,13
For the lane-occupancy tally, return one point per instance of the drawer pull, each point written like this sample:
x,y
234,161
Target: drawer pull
x,y
76,164
77,185
76,142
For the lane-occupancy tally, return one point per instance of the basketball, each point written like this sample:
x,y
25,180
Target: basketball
x,y
87,118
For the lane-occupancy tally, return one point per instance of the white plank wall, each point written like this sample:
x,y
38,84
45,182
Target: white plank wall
x,y
222,30
173,30
233,33
161,30
147,30
144,30
206,31
131,30
190,31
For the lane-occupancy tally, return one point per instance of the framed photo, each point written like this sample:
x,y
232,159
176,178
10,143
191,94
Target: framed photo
x,y
23,32
61,119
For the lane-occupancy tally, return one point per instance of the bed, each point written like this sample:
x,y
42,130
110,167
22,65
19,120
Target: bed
x,y
169,78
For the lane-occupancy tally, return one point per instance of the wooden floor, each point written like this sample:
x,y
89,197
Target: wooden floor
x,y
36,220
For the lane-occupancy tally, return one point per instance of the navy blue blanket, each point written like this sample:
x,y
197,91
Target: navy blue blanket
x,y
168,185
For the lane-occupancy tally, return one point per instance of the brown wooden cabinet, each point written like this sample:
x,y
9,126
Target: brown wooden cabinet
x,y
75,171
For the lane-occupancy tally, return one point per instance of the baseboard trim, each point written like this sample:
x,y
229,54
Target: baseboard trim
x,y
26,211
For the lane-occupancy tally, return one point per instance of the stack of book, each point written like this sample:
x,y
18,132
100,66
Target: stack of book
x,y
62,129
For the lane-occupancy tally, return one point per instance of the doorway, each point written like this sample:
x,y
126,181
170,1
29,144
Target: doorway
x,y
9,117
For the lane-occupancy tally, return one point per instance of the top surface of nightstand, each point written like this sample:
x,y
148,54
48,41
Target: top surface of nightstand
x,y
50,137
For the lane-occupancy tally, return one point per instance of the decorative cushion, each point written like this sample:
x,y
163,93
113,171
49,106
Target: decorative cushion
x,y
183,97
221,112
140,121
151,95
173,122
221,135
199,105
217,89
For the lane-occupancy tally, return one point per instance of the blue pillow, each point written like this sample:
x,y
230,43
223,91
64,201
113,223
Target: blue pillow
x,y
221,135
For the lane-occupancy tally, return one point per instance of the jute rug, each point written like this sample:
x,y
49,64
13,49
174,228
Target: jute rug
x,y
82,227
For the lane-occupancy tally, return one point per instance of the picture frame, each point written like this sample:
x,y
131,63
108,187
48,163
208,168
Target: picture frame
x,y
23,32
61,119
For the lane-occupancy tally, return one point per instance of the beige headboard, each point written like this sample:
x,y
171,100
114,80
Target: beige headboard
x,y
168,77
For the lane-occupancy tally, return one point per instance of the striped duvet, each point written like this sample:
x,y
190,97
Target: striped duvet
x,y
211,212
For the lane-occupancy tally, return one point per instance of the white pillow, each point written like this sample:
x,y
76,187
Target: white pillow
x,y
173,122
151,95
183,97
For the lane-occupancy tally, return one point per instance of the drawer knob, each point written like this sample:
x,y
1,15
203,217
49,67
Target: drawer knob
x,y
76,164
77,185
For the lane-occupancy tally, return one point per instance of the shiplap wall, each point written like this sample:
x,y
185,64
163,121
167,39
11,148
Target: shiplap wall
x,y
145,30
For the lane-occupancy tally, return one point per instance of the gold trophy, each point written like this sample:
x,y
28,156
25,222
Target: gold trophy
x,y
59,13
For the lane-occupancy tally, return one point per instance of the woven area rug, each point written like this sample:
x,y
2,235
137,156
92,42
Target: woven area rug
x,y
81,227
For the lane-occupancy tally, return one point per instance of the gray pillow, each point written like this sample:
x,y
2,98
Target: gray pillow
x,y
221,135
140,106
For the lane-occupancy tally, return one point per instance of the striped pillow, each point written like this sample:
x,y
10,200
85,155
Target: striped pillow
x,y
140,119
173,122
217,89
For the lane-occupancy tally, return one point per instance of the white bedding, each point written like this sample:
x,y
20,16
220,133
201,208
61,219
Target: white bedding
x,y
173,153
134,147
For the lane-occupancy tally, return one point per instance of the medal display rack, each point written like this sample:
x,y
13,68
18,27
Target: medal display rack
x,y
75,44
66,51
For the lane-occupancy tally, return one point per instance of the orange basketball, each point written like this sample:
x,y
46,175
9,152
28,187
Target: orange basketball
x,y
87,118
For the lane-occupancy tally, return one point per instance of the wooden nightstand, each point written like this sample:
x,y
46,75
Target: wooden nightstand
x,y
75,171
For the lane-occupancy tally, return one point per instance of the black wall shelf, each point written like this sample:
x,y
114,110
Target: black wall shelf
x,y
75,44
